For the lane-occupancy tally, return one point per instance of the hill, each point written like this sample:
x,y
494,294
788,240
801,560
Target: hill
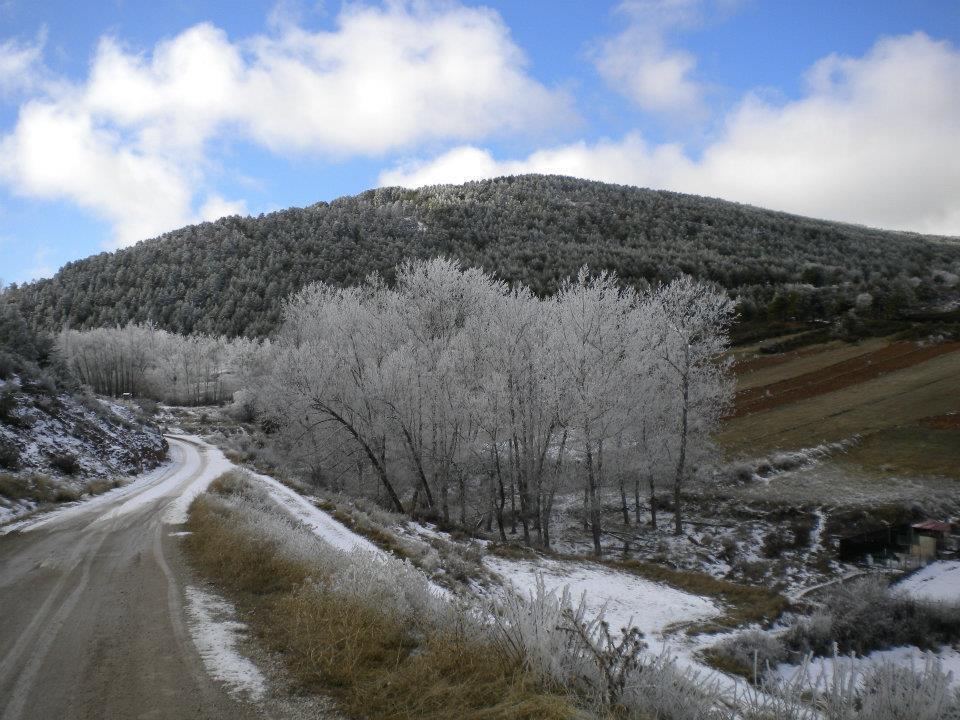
x,y
58,441
230,277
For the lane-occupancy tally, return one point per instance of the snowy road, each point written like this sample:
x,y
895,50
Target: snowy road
x,y
92,606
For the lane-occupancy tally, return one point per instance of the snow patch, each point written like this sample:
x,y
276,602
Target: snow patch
x,y
625,599
216,634
939,581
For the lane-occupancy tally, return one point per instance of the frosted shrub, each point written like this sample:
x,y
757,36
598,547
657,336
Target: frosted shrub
x,y
532,630
556,640
392,586
866,615
897,693
752,649
845,690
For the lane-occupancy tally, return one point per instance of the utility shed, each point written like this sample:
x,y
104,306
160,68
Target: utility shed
x,y
931,537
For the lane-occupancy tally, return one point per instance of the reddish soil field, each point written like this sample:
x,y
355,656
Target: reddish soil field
x,y
742,367
943,422
892,358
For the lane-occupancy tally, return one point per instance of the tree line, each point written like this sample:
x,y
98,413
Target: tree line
x,y
468,398
145,361
459,396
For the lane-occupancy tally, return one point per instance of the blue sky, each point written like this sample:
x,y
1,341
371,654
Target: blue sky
x,y
121,120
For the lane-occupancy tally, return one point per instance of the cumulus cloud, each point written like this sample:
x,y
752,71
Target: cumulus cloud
x,y
640,63
130,143
873,140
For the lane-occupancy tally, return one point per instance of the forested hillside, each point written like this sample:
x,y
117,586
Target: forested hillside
x,y
231,276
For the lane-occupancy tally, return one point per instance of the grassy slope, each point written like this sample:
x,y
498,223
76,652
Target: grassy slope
x,y
892,414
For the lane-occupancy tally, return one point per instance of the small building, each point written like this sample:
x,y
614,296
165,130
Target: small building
x,y
931,537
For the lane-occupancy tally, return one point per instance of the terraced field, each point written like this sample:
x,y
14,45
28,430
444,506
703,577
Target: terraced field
x,y
900,401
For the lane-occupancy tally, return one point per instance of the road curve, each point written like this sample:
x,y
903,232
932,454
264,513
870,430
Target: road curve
x,y
92,622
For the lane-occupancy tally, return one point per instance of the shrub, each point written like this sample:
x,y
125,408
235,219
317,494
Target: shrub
x,y
14,487
102,485
148,406
748,653
9,455
65,463
8,405
865,615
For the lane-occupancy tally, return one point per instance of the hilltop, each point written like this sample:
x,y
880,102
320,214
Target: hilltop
x,y
231,276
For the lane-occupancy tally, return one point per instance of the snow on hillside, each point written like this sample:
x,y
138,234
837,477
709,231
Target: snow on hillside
x,y
939,581
54,443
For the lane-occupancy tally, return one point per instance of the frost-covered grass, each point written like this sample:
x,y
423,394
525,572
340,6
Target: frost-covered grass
x,y
361,626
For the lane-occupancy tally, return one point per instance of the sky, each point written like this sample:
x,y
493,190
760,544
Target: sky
x,y
123,120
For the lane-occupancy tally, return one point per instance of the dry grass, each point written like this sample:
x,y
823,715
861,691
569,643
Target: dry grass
x,y
37,488
375,665
98,486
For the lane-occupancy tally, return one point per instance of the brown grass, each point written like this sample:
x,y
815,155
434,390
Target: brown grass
x,y
36,487
376,668
98,486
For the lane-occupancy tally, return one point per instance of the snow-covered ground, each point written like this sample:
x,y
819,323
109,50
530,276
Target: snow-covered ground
x,y
939,581
215,634
217,465
624,598
821,670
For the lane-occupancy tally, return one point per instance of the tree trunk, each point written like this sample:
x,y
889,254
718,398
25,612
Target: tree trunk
x,y
636,498
653,504
594,499
682,459
623,500
502,500
377,465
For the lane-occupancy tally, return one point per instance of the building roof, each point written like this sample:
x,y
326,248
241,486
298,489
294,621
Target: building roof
x,y
935,525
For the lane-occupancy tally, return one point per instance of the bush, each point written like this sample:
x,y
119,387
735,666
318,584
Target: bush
x,y
748,654
8,405
9,456
865,615
102,485
36,488
148,406
65,463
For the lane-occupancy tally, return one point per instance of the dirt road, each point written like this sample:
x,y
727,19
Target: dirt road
x,y
92,621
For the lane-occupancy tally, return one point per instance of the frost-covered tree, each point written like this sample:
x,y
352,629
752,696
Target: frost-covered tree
x,y
692,321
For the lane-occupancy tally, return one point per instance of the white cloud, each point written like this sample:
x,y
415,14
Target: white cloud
x,y
640,63
874,140
20,64
217,207
130,143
